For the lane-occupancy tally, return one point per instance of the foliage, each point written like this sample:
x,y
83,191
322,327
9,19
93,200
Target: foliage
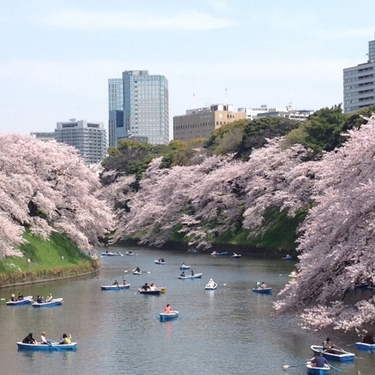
x,y
337,239
46,187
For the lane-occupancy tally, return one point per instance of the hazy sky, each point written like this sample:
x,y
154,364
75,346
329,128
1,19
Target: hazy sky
x,y
56,56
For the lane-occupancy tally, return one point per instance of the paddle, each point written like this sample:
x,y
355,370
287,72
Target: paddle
x,y
298,364
335,368
53,346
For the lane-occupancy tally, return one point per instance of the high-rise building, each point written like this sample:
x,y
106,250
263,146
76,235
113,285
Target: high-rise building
x,y
116,113
359,83
89,138
145,106
201,122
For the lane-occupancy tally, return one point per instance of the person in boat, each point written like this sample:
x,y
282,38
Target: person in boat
x,y
183,274
20,297
369,339
124,282
168,309
13,297
39,299
145,287
137,269
115,283
192,273
153,286
327,345
183,264
211,282
319,360
29,339
263,285
65,340
49,298
43,339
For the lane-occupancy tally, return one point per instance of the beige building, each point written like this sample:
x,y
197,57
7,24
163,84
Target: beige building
x,y
201,122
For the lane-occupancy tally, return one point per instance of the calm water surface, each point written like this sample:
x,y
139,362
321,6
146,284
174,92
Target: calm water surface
x,y
227,331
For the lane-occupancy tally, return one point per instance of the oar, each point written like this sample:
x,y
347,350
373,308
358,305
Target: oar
x,y
52,346
335,368
298,364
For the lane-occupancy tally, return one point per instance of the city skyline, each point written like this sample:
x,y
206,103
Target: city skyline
x,y
57,57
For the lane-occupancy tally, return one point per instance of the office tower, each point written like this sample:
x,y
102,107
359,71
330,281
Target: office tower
x,y
359,83
145,106
201,122
116,114
89,138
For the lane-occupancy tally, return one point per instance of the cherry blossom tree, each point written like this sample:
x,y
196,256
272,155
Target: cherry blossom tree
x,y
46,187
337,241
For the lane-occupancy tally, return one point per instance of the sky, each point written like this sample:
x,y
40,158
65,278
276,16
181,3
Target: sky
x,y
56,56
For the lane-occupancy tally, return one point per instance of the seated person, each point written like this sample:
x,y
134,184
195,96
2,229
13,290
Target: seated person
x,y
263,285
168,309
319,360
49,298
183,274
20,297
29,339
43,339
153,286
145,287
13,297
115,283
192,273
65,339
39,299
124,282
327,345
137,269
369,339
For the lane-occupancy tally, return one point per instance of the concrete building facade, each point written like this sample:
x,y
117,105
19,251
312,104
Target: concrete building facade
x,y
201,122
89,138
359,83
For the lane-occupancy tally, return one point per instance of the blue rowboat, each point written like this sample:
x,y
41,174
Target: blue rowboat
x,y
47,347
111,254
115,287
150,292
52,303
25,301
183,267
160,261
312,370
334,354
365,346
262,290
190,277
172,315
216,254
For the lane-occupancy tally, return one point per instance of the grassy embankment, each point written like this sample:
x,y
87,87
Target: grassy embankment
x,y
56,258
278,234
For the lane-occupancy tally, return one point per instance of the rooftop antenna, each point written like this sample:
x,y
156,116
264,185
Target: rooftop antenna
x,y
193,100
226,96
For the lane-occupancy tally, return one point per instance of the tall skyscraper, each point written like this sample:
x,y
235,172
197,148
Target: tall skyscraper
x,y
145,106
359,83
89,138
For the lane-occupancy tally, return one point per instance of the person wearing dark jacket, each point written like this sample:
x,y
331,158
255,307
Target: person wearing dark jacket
x,y
29,339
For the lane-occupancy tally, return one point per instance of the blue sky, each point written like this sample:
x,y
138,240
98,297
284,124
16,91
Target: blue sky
x,y
56,56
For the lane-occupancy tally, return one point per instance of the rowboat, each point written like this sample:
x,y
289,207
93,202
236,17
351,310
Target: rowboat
x,y
262,290
135,272
334,354
52,303
130,253
47,347
150,292
235,255
195,276
312,370
216,254
168,316
293,276
160,261
112,254
211,285
287,257
115,287
365,346
183,267
25,301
